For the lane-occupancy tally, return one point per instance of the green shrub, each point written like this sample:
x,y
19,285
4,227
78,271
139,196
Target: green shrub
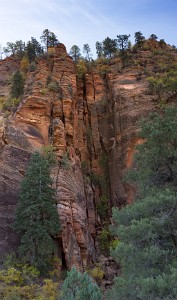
x,y
65,161
95,179
56,264
32,67
102,206
48,81
43,91
2,101
48,153
103,70
11,275
79,286
105,240
19,274
10,293
53,86
22,282
103,160
81,68
97,273
11,104
49,290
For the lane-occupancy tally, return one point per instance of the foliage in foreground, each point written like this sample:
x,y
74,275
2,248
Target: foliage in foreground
x,y
156,158
164,86
147,248
20,281
147,230
23,282
46,290
79,286
36,218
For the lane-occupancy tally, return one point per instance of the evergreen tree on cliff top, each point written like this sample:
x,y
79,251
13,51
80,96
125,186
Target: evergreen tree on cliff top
x,y
147,229
48,38
36,218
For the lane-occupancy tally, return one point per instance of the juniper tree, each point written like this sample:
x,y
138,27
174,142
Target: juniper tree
x,y
79,286
36,218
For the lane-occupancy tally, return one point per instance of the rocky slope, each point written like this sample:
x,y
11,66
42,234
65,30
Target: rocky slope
x,y
92,124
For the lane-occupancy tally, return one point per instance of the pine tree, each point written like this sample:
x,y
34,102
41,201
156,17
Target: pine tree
x,y
109,47
17,85
36,218
79,286
99,49
139,39
147,229
33,49
147,248
87,51
48,38
123,41
75,53
156,158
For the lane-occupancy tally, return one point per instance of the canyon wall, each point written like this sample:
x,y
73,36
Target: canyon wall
x,y
92,124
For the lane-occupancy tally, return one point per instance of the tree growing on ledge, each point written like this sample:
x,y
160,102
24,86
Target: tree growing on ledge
x,y
139,39
109,47
75,53
17,85
49,38
36,218
87,51
123,41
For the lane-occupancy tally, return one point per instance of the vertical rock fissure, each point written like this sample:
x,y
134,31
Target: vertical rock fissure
x,y
93,83
87,126
51,127
120,123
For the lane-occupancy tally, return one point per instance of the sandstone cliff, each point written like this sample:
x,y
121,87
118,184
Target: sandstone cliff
x,y
92,124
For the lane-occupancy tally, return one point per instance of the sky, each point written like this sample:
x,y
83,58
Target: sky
x,y
79,22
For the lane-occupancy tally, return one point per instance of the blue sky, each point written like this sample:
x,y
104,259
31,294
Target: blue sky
x,y
87,21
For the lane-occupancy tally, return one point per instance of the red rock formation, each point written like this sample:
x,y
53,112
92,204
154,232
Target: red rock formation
x,y
88,119
48,114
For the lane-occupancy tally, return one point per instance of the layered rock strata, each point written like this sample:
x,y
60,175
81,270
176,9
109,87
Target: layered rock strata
x,y
85,120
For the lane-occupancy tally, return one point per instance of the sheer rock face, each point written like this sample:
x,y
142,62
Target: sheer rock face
x,y
87,119
48,114
77,214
